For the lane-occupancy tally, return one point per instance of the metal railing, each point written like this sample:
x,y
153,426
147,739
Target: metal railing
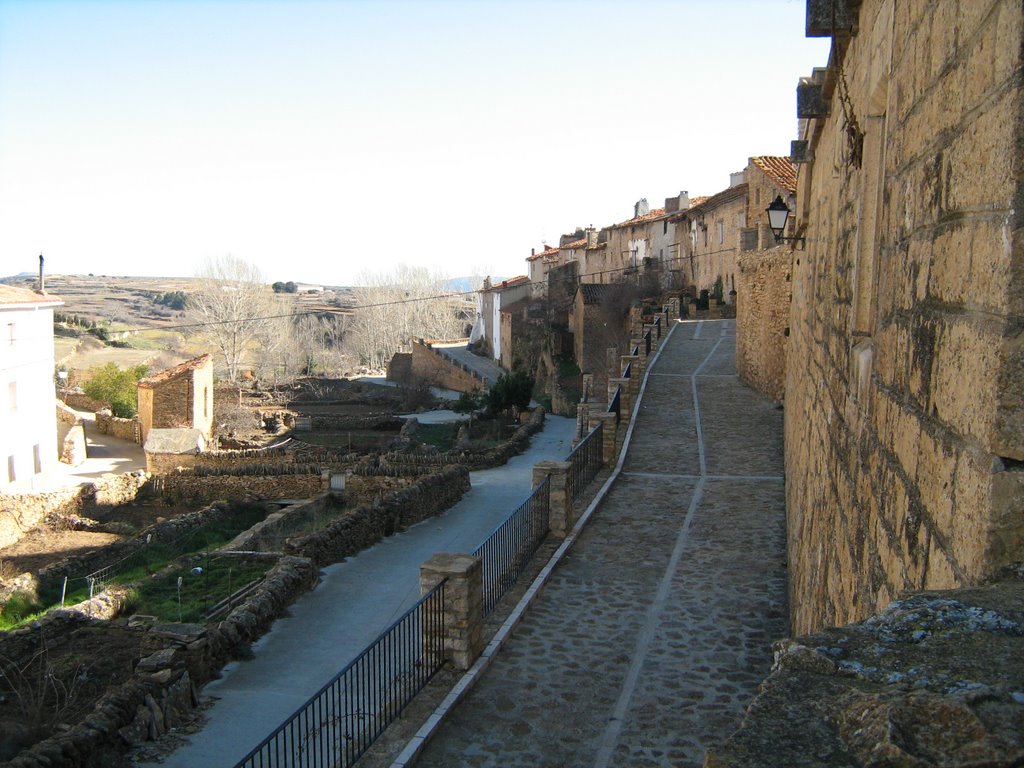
x,y
627,372
647,342
505,553
615,406
585,461
340,722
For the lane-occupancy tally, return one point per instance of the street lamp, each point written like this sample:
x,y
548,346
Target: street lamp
x,y
778,214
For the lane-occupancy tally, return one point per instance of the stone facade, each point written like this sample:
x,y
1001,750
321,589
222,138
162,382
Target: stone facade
x,y
181,396
762,320
905,379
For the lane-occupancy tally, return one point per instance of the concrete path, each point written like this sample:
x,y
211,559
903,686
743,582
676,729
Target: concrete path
x,y
355,601
654,632
106,454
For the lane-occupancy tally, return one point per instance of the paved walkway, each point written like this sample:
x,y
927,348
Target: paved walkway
x,y
654,632
356,600
484,366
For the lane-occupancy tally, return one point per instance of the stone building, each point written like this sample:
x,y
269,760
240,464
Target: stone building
x,y
180,397
905,370
599,319
489,301
28,403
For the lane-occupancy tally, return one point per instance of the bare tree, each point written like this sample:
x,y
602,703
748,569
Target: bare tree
x,y
234,302
392,309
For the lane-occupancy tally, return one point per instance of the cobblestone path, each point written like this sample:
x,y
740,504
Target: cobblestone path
x,y
654,632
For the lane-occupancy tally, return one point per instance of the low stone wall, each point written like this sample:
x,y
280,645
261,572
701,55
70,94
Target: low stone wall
x,y
66,415
162,693
189,486
81,401
368,524
123,429
336,422
762,320
492,457
21,512
433,368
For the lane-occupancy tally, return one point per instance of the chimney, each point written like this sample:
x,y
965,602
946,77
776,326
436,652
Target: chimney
x,y
591,238
684,200
42,283
641,208
533,251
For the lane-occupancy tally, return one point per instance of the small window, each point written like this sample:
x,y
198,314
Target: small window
x,y
721,232
12,396
37,459
206,402
10,334
664,227
11,477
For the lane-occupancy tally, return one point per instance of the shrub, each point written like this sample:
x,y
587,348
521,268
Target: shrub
x,y
116,386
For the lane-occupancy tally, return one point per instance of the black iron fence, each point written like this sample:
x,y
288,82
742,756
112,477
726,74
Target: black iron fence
x,y
615,406
585,461
505,553
342,720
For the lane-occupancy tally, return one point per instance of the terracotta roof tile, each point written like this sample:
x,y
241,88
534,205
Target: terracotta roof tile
x,y
779,169
12,294
654,213
171,373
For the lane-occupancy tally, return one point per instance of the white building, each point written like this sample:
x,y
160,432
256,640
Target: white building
x,y
28,420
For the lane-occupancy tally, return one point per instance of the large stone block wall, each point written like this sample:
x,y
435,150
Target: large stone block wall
x,y
762,320
429,366
904,421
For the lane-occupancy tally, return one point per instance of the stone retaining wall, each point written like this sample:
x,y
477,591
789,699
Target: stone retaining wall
x,y
81,401
124,429
191,487
22,512
368,524
762,320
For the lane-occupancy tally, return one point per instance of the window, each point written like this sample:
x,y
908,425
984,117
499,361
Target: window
x,y
37,459
11,477
664,227
206,402
721,232
12,396
10,334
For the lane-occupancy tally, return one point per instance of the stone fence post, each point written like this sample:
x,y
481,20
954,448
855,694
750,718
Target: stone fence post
x,y
559,495
608,435
641,351
582,420
462,622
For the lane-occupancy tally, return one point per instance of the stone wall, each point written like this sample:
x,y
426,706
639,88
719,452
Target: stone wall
x,y
369,523
66,415
400,367
429,366
22,512
285,482
904,424
762,320
81,401
123,429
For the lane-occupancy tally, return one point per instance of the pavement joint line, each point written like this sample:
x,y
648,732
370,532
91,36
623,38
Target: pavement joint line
x,y
715,478
418,742
610,738
698,330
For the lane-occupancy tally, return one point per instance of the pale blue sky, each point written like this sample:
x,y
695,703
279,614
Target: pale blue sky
x,y
322,138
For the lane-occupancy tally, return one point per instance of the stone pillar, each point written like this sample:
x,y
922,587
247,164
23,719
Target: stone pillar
x,y
611,362
463,620
582,420
559,494
588,388
641,351
608,435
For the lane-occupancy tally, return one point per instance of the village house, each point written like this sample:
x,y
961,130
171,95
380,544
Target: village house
x,y
28,403
180,397
489,302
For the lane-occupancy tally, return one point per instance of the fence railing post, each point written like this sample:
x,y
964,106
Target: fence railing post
x,y
608,435
625,396
462,623
560,497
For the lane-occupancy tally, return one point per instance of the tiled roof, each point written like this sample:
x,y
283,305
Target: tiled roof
x,y
511,282
654,213
695,201
710,203
779,169
574,244
171,373
548,251
11,295
594,293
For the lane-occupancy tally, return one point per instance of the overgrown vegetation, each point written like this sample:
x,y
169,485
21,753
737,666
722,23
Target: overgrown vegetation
x,y
441,436
117,386
512,390
201,587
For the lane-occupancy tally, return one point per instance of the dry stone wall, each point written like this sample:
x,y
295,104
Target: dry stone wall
x,y
369,523
762,320
123,429
904,424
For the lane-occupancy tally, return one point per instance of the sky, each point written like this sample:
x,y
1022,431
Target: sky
x,y
328,141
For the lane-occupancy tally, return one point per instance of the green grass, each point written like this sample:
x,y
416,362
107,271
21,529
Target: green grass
x,y
442,436
199,591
